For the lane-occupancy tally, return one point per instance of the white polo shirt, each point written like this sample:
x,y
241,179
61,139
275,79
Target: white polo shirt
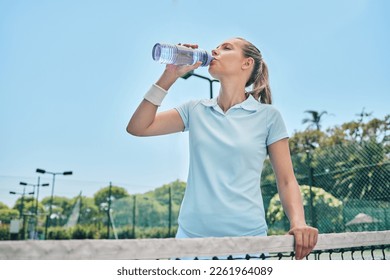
x,y
227,151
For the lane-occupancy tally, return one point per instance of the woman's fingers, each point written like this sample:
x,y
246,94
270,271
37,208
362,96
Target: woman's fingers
x,y
305,239
192,46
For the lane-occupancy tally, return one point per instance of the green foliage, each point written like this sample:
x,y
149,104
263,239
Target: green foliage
x,y
59,203
77,232
276,231
154,232
328,209
4,232
3,206
127,232
350,161
92,232
101,198
315,120
28,204
58,233
89,212
61,209
151,208
84,232
6,215
146,232
302,141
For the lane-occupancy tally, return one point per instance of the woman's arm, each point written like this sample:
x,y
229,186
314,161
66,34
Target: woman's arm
x,y
145,120
290,196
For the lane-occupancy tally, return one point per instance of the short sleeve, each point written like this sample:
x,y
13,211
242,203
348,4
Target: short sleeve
x,y
276,127
184,112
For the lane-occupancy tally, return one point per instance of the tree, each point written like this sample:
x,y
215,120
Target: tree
x,y
3,206
315,119
88,210
326,204
302,141
28,205
101,197
61,209
6,215
152,208
364,172
352,161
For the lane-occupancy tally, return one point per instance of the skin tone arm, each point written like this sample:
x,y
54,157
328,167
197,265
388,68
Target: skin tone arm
x,y
305,236
145,120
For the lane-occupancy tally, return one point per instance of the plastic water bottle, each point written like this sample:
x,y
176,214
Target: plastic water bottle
x,y
180,55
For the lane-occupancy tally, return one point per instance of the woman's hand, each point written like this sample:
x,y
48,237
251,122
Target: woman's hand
x,y
305,239
173,72
181,70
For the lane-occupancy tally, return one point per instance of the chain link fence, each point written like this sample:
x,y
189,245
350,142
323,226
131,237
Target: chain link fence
x,y
345,188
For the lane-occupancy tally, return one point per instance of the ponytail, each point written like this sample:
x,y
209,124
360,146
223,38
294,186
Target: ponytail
x,y
259,79
261,90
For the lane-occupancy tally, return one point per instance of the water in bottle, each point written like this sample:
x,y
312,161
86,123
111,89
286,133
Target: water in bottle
x,y
180,55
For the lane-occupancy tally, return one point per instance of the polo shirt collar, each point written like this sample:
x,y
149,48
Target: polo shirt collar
x,y
249,104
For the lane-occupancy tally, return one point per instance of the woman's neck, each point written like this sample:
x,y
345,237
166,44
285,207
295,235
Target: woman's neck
x,y
230,95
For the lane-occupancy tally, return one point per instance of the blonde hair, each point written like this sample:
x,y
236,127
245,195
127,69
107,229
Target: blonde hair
x,y
261,90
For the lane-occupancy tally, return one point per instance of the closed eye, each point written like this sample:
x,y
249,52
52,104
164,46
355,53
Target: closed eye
x,y
225,46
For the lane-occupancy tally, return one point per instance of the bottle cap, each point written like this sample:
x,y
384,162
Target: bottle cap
x,y
156,52
209,59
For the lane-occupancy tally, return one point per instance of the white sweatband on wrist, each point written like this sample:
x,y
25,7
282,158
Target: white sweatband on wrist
x,y
155,95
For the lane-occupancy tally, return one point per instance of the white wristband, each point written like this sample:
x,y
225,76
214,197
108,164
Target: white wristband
x,y
155,95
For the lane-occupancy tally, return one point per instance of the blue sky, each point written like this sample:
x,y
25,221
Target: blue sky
x,y
73,72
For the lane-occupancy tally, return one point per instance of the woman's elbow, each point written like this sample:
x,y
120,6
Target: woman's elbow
x,y
133,130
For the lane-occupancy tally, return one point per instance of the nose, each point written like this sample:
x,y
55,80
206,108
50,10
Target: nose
x,y
214,52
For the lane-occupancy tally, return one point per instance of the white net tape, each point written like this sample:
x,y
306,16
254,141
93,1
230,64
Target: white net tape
x,y
144,249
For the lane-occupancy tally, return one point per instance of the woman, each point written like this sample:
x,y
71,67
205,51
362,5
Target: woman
x,y
230,137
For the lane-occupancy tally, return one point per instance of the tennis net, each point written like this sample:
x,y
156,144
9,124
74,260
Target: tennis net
x,y
338,246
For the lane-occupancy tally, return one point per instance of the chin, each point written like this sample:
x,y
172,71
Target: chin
x,y
212,73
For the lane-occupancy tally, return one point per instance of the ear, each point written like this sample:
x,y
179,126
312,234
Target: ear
x,y
247,63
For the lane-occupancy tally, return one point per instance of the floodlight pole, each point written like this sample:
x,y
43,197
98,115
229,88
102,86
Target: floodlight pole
x,y
108,211
36,204
52,193
22,209
134,209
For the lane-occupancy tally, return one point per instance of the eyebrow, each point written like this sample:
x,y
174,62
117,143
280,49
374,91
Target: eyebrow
x,y
224,44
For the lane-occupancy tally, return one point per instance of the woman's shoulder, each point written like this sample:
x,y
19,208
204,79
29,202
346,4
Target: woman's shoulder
x,y
272,113
191,104
252,103
269,108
